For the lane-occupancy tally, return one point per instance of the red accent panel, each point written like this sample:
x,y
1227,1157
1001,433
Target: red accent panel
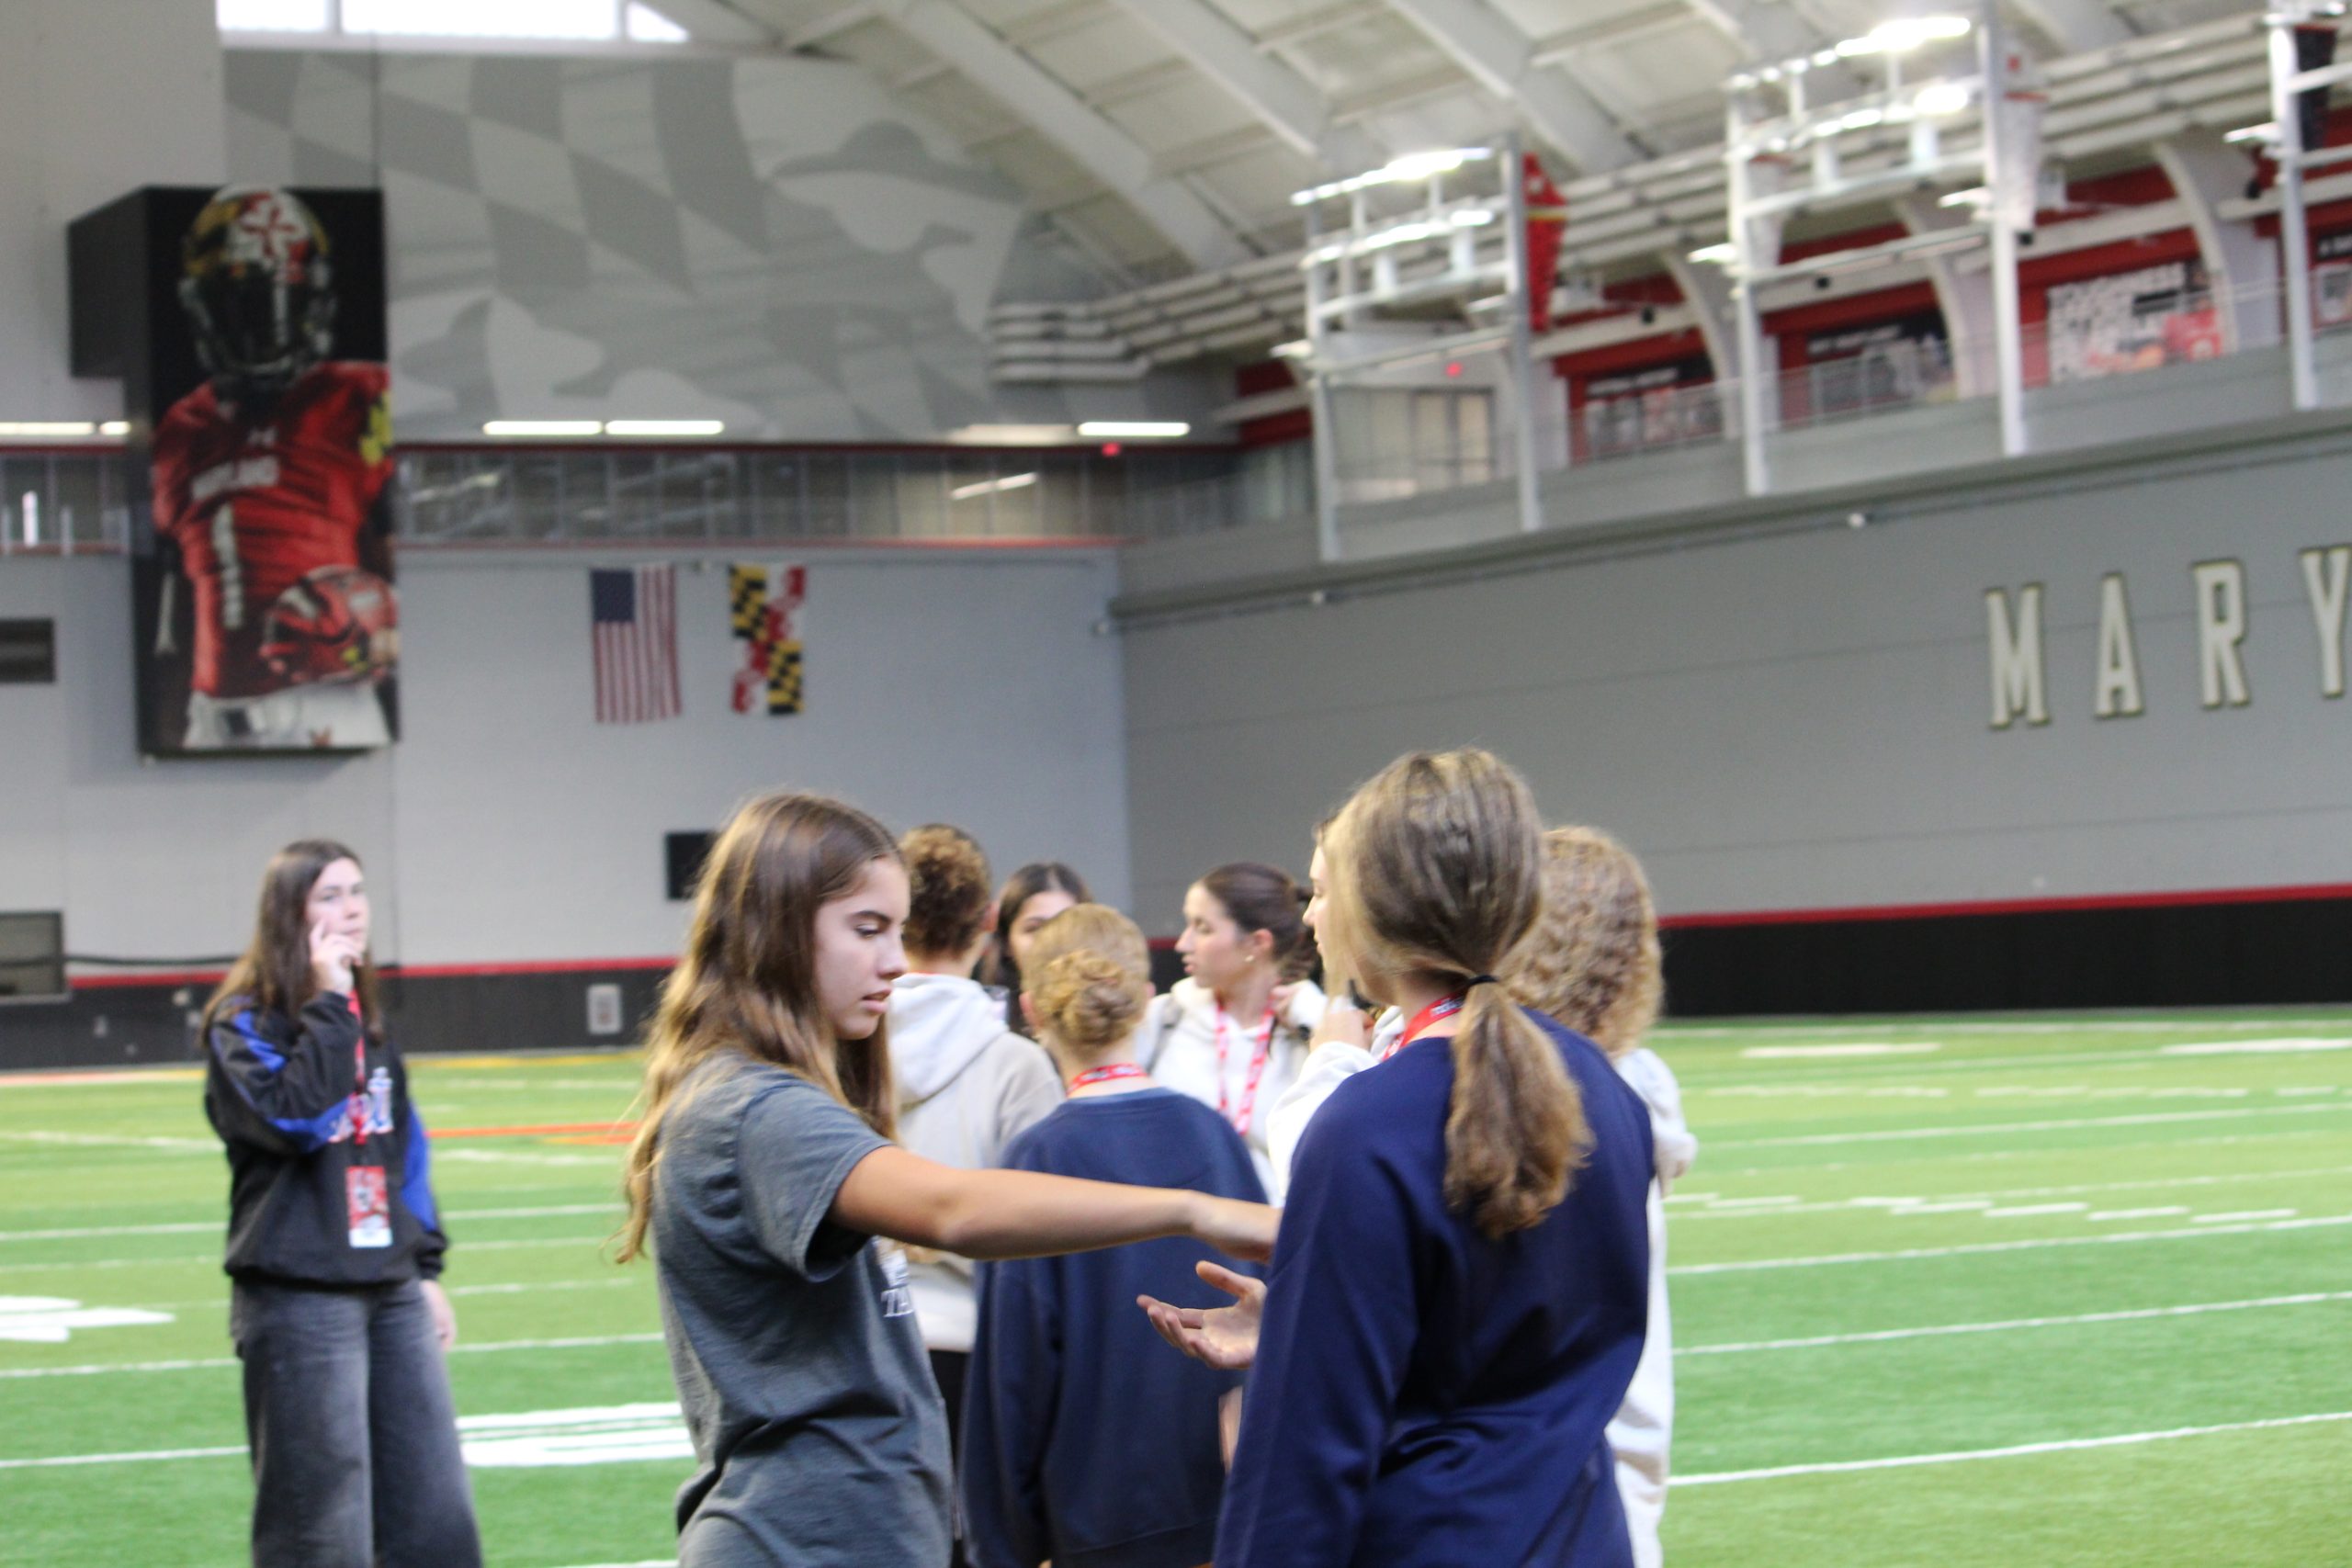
x,y
1278,429
1264,375
541,967
1854,309
176,978
2035,273
1638,354
173,977
2307,892
1851,239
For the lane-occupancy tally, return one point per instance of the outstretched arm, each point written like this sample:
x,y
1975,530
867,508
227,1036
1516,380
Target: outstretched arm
x,y
1021,1214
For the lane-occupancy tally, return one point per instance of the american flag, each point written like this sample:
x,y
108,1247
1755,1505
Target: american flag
x,y
633,617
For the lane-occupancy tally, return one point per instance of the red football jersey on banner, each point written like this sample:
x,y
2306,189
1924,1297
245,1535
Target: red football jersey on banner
x,y
255,502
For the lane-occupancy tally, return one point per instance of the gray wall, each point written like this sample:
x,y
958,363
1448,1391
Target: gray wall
x,y
508,826
1780,712
97,96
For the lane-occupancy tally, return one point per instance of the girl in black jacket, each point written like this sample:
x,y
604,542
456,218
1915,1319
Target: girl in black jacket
x,y
334,1243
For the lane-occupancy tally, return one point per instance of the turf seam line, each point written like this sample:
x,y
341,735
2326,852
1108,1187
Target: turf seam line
x,y
2193,1309
1967,1249
2020,1450
186,1227
1893,1134
206,1363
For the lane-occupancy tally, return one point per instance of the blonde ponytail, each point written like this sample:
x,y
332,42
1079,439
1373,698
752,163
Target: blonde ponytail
x,y
1434,871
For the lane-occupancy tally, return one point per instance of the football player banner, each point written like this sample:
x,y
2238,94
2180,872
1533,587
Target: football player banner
x,y
762,601
248,326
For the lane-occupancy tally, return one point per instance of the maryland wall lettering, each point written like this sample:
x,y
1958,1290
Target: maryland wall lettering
x,y
2013,629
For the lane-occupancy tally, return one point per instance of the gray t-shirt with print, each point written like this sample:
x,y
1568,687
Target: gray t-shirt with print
x,y
812,1405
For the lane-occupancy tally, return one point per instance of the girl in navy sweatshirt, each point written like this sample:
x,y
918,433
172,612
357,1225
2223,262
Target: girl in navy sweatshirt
x,y
1084,1441
1456,1302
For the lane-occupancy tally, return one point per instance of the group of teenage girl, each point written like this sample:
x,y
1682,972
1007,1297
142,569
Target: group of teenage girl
x,y
973,1250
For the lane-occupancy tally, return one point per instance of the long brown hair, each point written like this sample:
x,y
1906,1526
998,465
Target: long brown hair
x,y
273,975
1434,870
747,981
1592,960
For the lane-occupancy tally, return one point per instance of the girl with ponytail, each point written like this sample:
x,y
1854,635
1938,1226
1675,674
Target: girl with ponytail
x,y
1456,1306
763,1180
1055,1465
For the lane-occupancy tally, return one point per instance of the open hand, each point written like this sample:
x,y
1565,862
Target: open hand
x,y
1225,1337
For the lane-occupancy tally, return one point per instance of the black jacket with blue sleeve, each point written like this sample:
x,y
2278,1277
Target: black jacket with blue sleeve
x,y
303,1103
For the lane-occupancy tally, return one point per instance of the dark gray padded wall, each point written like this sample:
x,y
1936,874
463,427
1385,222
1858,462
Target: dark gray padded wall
x,y
1798,716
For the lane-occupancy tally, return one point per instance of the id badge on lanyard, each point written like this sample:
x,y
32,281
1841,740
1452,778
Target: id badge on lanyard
x,y
368,1202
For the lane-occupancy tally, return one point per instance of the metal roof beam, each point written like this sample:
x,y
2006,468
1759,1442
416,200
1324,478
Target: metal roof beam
x,y
2075,25
1062,117
1289,104
1492,50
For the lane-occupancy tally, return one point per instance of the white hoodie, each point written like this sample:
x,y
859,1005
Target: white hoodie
x,y
967,1086
1179,1048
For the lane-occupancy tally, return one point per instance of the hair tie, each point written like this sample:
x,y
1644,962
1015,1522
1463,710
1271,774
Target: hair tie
x,y
1480,980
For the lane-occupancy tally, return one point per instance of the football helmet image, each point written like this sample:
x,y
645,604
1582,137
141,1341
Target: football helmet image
x,y
258,289
339,625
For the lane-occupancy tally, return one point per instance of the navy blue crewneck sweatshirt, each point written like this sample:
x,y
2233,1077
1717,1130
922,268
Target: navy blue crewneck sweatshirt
x,y
1425,1396
1087,1439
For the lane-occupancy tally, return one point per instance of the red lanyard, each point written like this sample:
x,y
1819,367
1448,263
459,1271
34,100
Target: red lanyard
x,y
1443,1008
1111,1074
358,1075
1261,1049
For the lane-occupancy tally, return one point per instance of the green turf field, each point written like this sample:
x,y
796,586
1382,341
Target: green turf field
x,y
1966,1293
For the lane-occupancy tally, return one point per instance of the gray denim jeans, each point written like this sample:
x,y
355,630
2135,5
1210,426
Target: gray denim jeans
x,y
353,1430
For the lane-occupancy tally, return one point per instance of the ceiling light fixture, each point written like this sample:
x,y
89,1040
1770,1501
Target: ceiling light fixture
x,y
1134,429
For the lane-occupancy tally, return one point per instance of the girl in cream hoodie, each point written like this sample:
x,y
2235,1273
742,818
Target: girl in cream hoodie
x,y
966,1083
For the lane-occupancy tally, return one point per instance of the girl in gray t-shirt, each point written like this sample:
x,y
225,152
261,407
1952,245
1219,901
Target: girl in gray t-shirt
x,y
764,1177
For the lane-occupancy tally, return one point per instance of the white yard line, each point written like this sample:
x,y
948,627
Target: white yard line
x,y
1899,1134
1970,1249
1709,1209
585,1243
204,1363
187,1227
2068,1445
2244,1214
2006,1325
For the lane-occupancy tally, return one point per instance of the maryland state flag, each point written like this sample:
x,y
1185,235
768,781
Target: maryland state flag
x,y
760,602
1547,220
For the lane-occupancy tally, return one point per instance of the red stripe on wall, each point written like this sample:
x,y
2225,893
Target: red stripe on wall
x,y
2193,898
2303,893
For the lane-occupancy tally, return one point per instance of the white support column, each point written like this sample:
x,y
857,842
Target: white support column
x,y
1501,59
1523,338
2009,328
1708,293
1756,378
2294,227
2241,266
